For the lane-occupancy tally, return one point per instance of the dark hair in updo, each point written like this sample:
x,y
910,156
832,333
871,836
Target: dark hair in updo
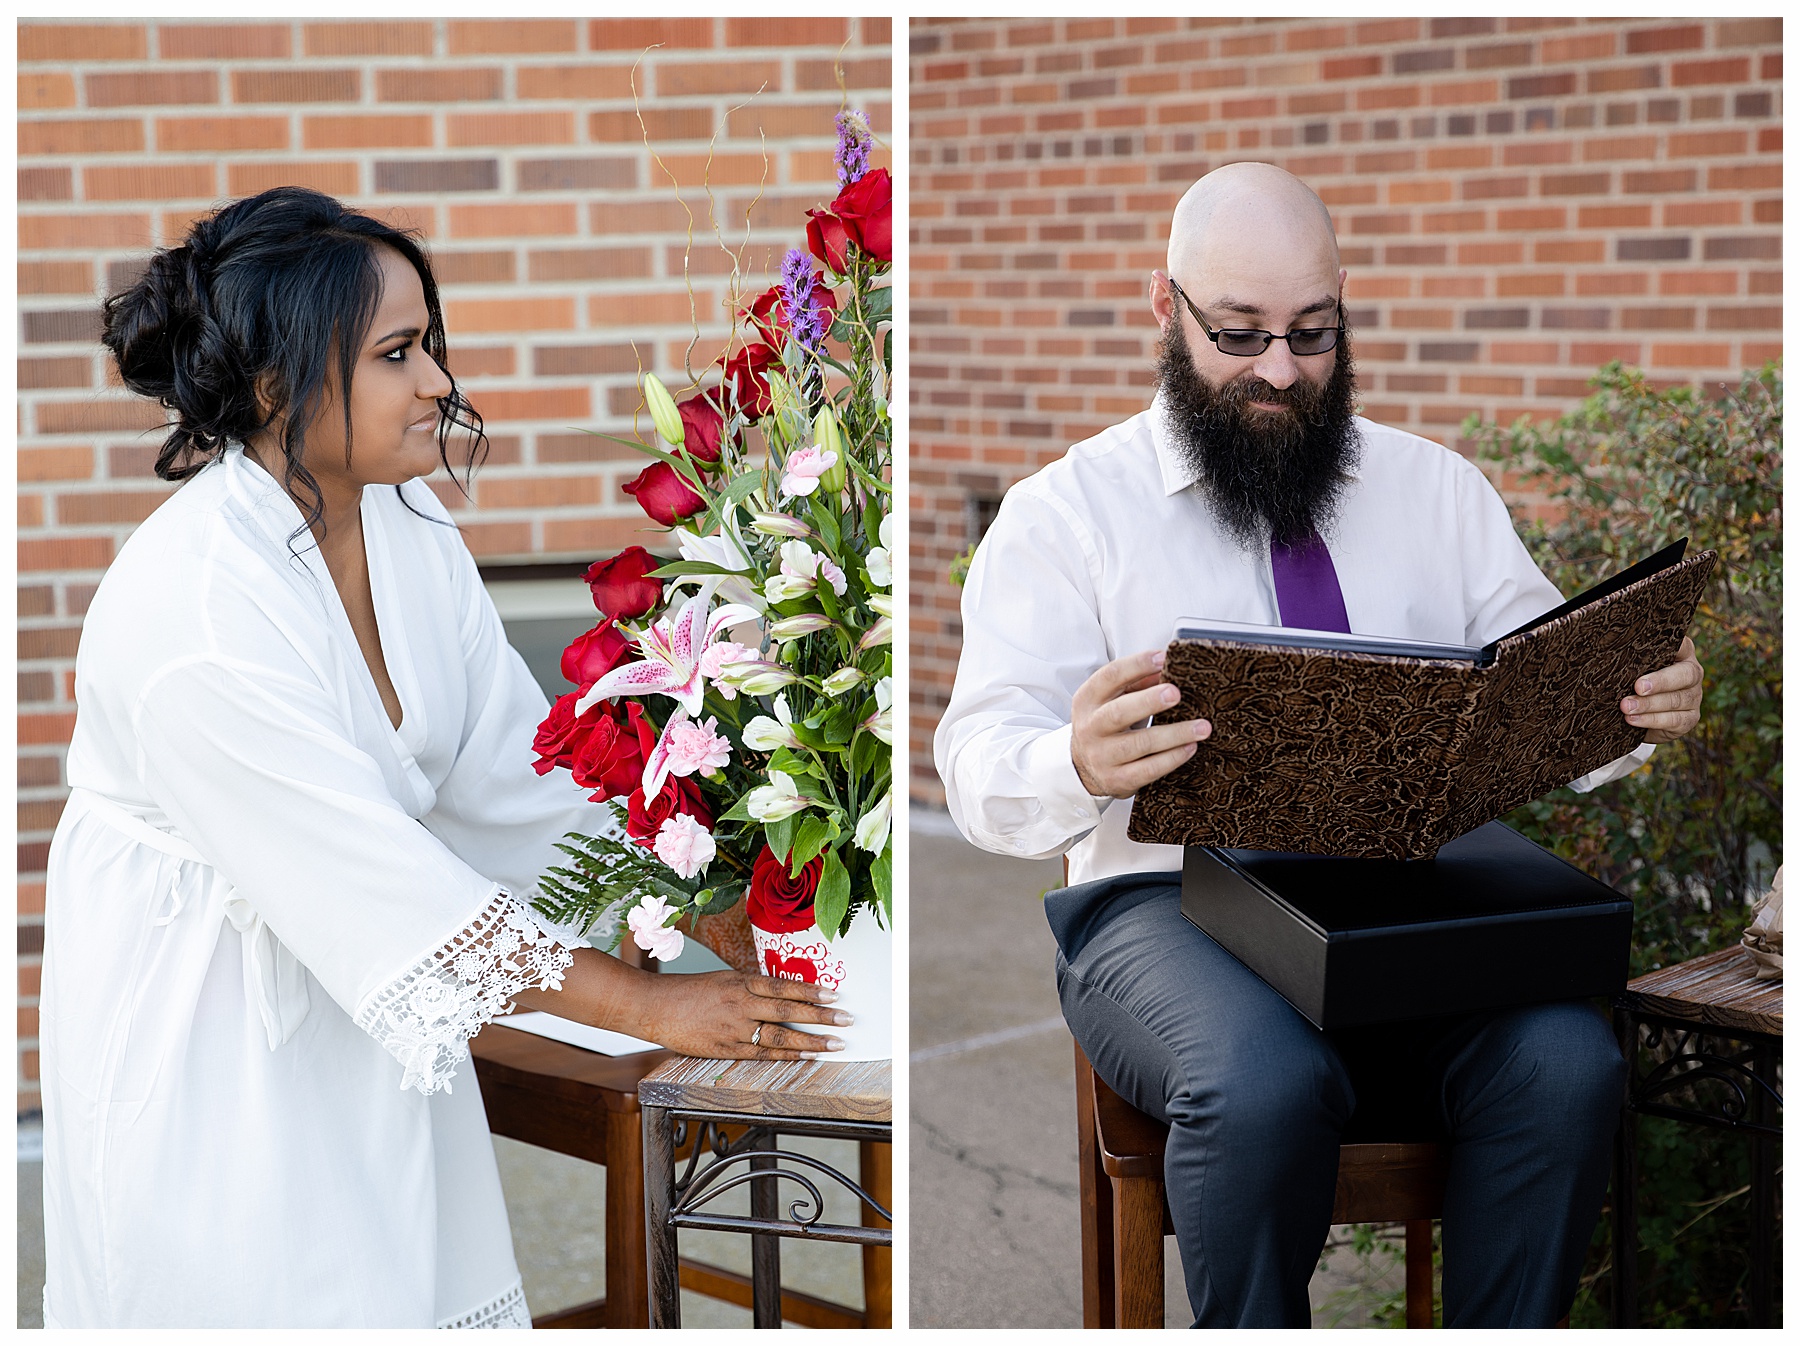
x,y
262,297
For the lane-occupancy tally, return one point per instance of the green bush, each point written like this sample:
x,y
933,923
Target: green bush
x,y
1693,837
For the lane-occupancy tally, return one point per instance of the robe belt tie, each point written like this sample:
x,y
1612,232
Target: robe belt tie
x,y
274,981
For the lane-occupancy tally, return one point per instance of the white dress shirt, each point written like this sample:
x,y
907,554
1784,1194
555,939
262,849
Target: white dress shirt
x,y
272,921
1100,555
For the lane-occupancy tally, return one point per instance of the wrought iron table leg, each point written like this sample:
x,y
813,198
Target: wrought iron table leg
x,y
765,1249
661,1252
1625,1213
1762,1190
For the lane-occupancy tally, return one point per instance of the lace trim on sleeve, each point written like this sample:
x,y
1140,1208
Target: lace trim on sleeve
x,y
507,1311
427,1015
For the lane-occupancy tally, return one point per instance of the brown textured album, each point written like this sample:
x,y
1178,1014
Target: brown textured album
x,y
1384,757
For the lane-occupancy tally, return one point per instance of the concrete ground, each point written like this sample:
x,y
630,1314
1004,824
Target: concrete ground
x,y
994,1235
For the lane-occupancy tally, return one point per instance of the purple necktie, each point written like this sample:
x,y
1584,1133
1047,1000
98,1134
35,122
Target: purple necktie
x,y
1306,586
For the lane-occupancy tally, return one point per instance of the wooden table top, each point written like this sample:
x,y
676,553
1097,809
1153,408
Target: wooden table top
x,y
548,1066
858,1091
1718,989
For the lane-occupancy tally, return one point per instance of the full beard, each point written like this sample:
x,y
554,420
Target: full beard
x,y
1269,475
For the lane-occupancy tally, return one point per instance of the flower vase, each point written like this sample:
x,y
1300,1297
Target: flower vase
x,y
858,965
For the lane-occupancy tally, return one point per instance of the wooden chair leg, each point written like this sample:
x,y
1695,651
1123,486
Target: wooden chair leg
x,y
1096,1206
1138,1252
1418,1273
876,1172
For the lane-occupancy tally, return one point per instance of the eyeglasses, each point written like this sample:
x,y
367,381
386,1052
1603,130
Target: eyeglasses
x,y
1240,341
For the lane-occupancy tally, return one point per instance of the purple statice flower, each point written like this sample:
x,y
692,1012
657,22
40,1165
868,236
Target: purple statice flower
x,y
854,139
800,297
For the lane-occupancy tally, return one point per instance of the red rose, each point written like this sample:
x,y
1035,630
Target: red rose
x,y
664,496
562,732
748,372
705,427
619,587
592,656
776,902
828,239
678,795
866,210
610,760
768,313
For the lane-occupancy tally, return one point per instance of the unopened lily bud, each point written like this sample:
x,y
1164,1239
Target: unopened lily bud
x,y
792,628
662,411
882,603
780,588
831,440
779,525
758,677
842,681
882,633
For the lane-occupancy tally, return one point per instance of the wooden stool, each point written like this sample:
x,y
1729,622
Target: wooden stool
x,y
1125,1213
767,1099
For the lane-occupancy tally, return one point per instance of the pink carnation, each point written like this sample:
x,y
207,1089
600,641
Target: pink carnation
x,y
686,746
804,468
684,845
648,931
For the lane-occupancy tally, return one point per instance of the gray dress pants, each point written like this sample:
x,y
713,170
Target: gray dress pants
x,y
1258,1101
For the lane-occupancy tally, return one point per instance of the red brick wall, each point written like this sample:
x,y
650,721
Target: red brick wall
x,y
556,232
1518,201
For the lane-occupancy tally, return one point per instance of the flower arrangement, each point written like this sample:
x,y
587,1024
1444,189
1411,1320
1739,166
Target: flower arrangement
x,y
734,705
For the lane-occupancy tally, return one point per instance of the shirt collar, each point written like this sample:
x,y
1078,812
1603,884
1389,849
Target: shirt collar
x,y
1177,472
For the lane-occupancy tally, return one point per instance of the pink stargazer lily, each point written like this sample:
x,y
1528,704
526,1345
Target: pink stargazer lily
x,y
672,654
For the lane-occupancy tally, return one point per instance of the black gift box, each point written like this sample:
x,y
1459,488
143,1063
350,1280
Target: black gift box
x,y
1493,920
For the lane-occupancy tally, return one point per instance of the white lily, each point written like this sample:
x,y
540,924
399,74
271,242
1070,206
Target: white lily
x,y
722,549
872,827
879,562
881,723
673,650
763,734
779,799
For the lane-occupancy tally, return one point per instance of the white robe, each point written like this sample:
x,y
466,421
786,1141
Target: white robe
x,y
274,920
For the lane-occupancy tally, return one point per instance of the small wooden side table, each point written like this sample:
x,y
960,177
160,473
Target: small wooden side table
x,y
1712,997
697,1105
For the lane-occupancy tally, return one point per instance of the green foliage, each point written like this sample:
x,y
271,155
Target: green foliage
x,y
959,566
1692,838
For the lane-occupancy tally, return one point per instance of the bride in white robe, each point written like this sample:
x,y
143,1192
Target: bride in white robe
x,y
292,880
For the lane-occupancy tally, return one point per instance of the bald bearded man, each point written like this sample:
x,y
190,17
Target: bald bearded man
x,y
1250,492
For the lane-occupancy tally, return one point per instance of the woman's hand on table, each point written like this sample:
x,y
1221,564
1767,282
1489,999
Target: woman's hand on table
x,y
716,1015
720,1016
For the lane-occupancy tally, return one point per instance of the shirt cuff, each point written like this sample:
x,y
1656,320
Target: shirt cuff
x,y
1050,767
1613,770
